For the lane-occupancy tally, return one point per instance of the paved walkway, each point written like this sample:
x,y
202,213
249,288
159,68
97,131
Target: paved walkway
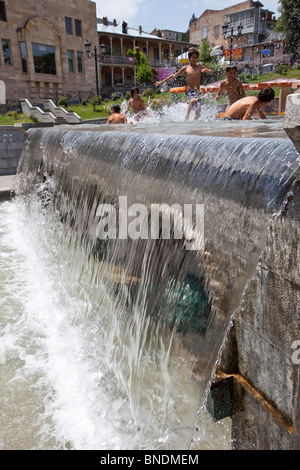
x,y
7,184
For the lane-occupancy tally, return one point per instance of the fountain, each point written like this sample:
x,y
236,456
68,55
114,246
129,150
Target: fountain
x,y
153,316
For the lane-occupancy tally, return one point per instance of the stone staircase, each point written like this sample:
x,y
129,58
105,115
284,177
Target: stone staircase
x,y
62,115
51,113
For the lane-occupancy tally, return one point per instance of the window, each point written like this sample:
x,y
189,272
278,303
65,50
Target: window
x,y
203,32
108,79
118,49
78,28
156,54
6,52
71,61
2,12
44,59
80,62
118,79
23,56
68,23
216,30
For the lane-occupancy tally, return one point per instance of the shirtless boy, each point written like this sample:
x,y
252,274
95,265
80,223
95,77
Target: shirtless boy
x,y
193,74
232,85
246,107
137,104
116,117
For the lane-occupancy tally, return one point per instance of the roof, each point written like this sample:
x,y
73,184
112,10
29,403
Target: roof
x,y
110,29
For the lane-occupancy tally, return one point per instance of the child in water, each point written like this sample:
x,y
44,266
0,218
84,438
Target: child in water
x,y
137,104
246,107
232,85
193,74
116,117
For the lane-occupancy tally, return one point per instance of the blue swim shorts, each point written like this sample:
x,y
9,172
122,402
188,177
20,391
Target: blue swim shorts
x,y
194,94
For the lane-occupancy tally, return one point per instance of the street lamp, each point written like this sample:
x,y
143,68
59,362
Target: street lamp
x,y
225,29
95,55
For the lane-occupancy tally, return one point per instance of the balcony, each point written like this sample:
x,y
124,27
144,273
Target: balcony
x,y
124,60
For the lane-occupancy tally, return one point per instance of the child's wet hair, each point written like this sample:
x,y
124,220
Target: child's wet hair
x,y
192,51
116,108
133,90
230,67
266,94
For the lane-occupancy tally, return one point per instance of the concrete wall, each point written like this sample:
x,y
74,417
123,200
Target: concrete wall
x,y
262,351
12,140
11,146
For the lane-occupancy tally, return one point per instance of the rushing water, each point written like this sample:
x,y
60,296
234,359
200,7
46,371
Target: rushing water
x,y
112,345
65,379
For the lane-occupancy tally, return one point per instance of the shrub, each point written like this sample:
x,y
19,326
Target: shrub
x,y
127,95
282,69
113,96
148,92
94,101
63,102
33,118
83,102
14,114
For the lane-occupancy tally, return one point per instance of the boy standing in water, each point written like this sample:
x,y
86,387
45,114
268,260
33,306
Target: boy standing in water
x,y
193,75
137,104
245,107
232,85
116,117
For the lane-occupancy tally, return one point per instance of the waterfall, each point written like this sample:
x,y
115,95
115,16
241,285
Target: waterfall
x,y
151,308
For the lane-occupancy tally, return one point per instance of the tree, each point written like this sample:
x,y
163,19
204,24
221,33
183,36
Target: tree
x,y
193,18
290,24
143,69
204,52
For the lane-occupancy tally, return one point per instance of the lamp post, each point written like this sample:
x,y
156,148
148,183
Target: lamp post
x,y
95,55
225,30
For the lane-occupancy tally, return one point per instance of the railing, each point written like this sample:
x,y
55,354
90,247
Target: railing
x,y
108,59
28,108
61,112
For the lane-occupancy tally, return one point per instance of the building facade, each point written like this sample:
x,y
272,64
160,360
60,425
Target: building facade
x,y
42,53
257,45
117,70
168,34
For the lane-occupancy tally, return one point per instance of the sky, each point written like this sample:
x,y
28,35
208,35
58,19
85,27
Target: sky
x,y
164,14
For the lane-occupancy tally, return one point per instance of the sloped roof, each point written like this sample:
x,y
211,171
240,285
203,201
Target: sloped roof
x,y
110,29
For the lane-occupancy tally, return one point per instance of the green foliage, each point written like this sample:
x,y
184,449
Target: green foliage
x,y
33,118
127,95
143,73
94,101
63,102
282,69
113,96
204,52
148,92
83,102
143,69
289,22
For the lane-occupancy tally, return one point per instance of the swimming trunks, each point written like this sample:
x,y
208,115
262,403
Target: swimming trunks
x,y
194,94
226,118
